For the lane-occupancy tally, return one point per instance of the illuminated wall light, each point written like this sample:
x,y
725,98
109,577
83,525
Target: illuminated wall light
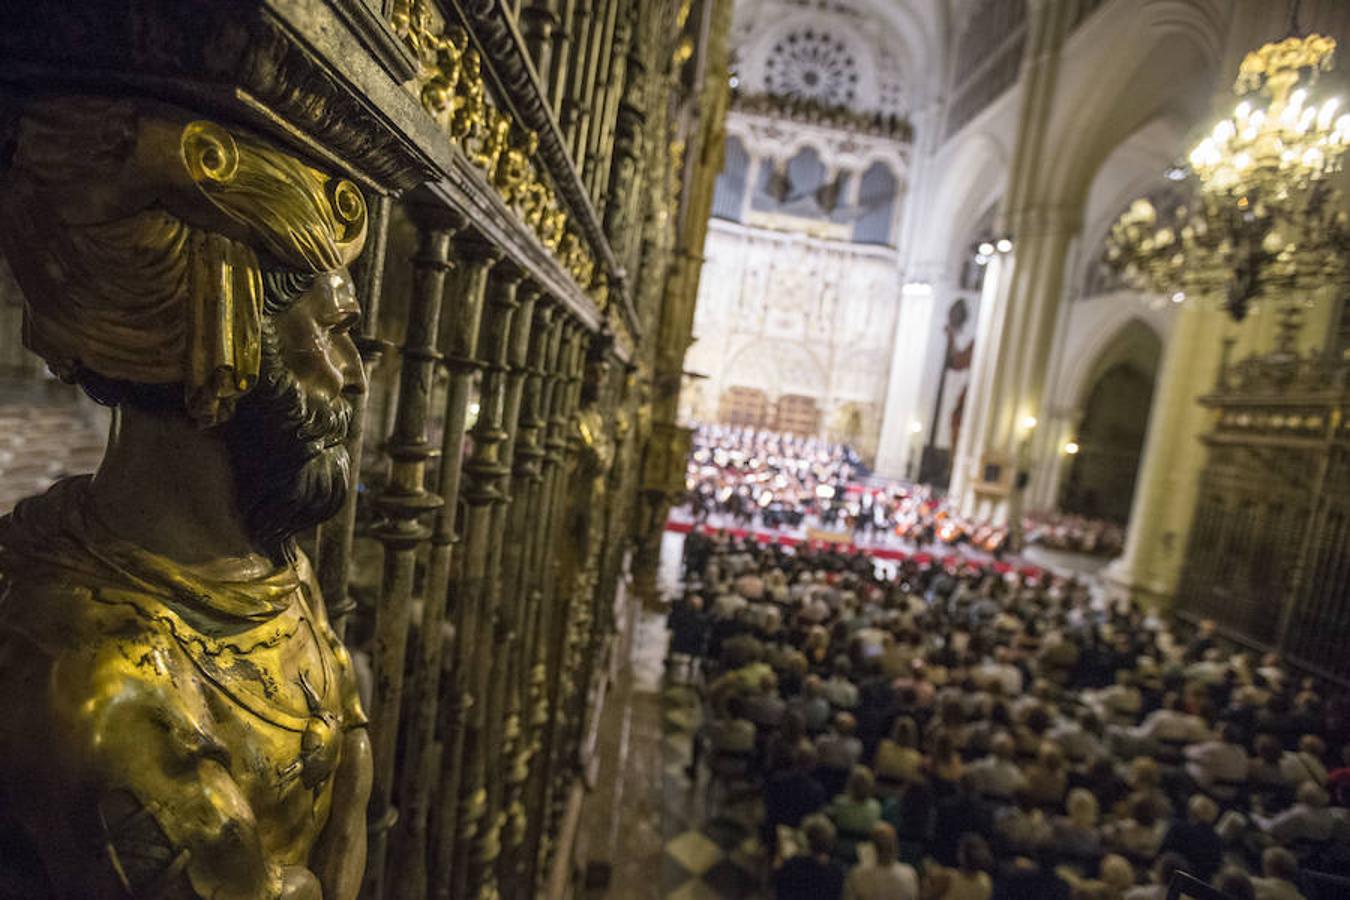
x,y
915,427
1071,448
1004,245
1179,297
1029,422
986,249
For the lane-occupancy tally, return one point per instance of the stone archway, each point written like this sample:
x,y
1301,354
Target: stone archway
x,y
1100,481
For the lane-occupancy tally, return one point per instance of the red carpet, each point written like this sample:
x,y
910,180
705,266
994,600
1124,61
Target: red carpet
x,y
952,560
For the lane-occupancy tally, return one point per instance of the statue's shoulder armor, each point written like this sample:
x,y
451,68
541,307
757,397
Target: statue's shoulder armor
x,y
57,612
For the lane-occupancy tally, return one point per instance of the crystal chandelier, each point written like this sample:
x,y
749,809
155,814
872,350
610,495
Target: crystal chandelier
x,y
1288,143
1263,219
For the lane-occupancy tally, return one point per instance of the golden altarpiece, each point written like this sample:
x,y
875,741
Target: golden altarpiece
x,y
390,299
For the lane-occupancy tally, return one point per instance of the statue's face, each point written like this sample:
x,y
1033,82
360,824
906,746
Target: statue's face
x,y
287,437
315,340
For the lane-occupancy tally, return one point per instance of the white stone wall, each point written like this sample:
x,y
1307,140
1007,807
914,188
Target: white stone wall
x,y
792,314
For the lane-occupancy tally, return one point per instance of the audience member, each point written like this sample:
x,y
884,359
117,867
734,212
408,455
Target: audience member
x,y
969,880
1279,868
855,812
1196,839
813,875
886,878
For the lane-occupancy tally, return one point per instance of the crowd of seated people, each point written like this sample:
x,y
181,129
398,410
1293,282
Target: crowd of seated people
x,y
757,478
962,735
1075,533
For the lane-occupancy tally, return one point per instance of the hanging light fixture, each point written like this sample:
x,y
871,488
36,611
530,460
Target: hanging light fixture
x,y
1263,218
1289,142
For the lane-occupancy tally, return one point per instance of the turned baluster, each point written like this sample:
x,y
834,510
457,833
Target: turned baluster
x,y
403,502
484,471
422,782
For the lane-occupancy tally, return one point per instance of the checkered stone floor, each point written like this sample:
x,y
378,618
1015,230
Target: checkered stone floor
x,y
711,852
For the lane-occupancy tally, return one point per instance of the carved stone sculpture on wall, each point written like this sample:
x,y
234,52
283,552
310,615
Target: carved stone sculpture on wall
x,y
180,719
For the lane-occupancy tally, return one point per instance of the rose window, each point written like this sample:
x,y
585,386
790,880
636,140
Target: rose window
x,y
812,65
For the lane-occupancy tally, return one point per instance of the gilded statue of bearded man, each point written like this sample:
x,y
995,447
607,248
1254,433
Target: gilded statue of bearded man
x,y
179,719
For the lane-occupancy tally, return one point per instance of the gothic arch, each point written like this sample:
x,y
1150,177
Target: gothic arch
x,y
1181,44
1121,334
878,194
777,367
1113,399
975,174
729,191
1135,168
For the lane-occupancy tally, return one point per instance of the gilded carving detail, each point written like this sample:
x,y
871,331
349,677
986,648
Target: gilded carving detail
x,y
452,90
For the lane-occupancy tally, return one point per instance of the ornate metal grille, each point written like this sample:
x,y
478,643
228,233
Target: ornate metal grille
x,y
1269,552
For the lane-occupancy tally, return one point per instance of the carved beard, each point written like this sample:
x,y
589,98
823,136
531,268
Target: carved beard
x,y
289,455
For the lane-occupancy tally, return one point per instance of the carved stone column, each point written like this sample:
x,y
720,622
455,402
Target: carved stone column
x,y
484,471
1164,502
402,503
1008,372
421,773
